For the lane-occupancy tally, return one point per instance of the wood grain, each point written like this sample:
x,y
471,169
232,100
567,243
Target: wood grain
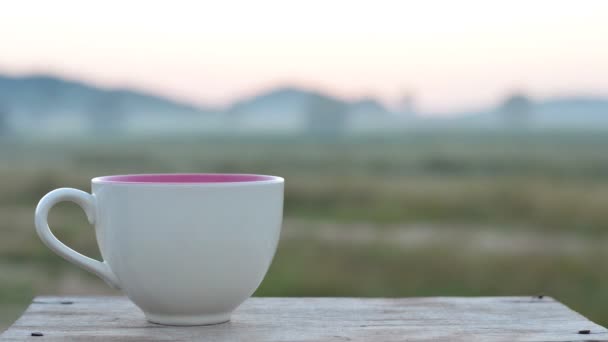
x,y
316,319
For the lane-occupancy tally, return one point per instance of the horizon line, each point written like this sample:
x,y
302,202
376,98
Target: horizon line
x,y
199,104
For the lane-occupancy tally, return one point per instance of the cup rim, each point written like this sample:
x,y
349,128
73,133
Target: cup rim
x,y
190,179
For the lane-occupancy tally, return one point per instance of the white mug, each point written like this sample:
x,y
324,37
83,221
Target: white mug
x,y
187,249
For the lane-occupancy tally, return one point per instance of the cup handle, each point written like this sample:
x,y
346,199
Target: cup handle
x,y
87,202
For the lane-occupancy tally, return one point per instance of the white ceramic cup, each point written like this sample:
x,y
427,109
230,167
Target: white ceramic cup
x,y
185,248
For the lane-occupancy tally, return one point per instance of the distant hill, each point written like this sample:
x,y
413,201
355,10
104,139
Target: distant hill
x,y
46,105
291,108
46,95
368,105
286,100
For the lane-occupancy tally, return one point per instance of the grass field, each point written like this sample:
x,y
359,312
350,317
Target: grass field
x,y
411,214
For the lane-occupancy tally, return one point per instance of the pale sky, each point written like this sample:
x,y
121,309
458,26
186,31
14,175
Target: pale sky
x,y
451,55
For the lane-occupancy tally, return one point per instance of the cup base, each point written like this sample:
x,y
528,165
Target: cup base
x,y
188,320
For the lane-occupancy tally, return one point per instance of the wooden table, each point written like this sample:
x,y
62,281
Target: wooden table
x,y
316,319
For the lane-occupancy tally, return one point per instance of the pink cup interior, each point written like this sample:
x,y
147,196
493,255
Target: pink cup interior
x,y
185,178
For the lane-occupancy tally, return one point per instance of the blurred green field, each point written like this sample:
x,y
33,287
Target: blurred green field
x,y
410,214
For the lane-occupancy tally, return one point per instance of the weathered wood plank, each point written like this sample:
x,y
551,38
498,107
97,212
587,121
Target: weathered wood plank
x,y
316,319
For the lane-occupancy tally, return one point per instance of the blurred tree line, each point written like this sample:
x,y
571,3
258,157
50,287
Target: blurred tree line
x,y
517,109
